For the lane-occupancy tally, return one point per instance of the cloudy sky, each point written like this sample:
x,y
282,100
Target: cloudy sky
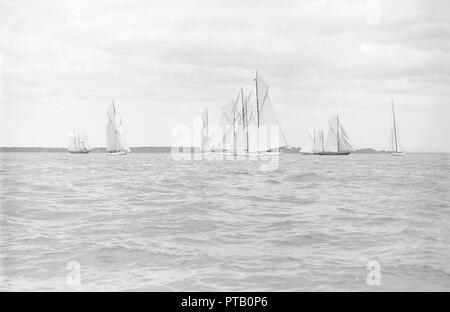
x,y
62,62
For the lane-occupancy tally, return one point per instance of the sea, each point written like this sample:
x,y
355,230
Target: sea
x,y
155,222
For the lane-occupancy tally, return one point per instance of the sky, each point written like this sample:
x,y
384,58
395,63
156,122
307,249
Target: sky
x,y
163,62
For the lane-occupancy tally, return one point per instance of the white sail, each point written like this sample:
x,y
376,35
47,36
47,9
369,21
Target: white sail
x,y
115,139
270,135
249,123
319,145
72,141
312,135
395,142
337,139
205,131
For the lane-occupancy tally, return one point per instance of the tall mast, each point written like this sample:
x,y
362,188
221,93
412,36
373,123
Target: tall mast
x,y
395,126
257,101
234,127
244,118
337,137
314,138
207,126
207,123
323,144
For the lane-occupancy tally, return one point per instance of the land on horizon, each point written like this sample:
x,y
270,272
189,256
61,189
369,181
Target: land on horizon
x,y
167,149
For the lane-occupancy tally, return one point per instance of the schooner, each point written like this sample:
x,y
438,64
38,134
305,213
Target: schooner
x,y
337,142
395,146
249,124
115,139
78,143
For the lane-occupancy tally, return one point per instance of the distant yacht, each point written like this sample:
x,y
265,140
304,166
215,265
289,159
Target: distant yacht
x,y
115,139
78,143
318,145
249,121
337,140
395,146
205,132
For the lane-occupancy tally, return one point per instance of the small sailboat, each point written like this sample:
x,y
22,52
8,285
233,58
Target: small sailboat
x,y
395,146
337,143
205,132
78,143
115,139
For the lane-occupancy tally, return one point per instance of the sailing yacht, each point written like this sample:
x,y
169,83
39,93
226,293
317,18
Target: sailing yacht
x,y
78,143
318,145
250,124
395,146
115,139
205,132
337,142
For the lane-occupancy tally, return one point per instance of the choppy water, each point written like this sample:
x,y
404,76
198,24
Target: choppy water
x,y
147,222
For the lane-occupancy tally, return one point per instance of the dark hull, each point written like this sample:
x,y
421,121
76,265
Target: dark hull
x,y
335,153
80,152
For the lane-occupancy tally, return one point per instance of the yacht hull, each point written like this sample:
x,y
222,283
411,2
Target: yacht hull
x,y
117,153
335,154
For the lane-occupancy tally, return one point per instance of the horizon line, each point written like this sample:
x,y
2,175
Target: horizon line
x,y
198,147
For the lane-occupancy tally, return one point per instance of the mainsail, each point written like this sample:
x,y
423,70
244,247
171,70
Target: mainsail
x,y
317,141
270,135
115,139
337,139
205,131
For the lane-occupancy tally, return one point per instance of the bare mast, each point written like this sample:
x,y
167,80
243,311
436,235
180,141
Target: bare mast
x,y
244,118
395,126
337,137
234,128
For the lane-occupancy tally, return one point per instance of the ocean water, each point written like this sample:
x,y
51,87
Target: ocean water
x,y
148,222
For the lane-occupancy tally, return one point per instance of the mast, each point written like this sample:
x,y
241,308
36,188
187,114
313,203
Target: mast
x,y
395,126
337,137
323,144
205,125
244,119
74,141
257,101
234,128
314,139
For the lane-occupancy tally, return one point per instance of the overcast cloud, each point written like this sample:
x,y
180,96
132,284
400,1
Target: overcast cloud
x,y
62,62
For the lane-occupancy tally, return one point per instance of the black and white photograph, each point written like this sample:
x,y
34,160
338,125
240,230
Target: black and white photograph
x,y
224,146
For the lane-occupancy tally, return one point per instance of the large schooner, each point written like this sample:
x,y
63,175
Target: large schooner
x,y
78,143
115,139
249,124
337,142
395,146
